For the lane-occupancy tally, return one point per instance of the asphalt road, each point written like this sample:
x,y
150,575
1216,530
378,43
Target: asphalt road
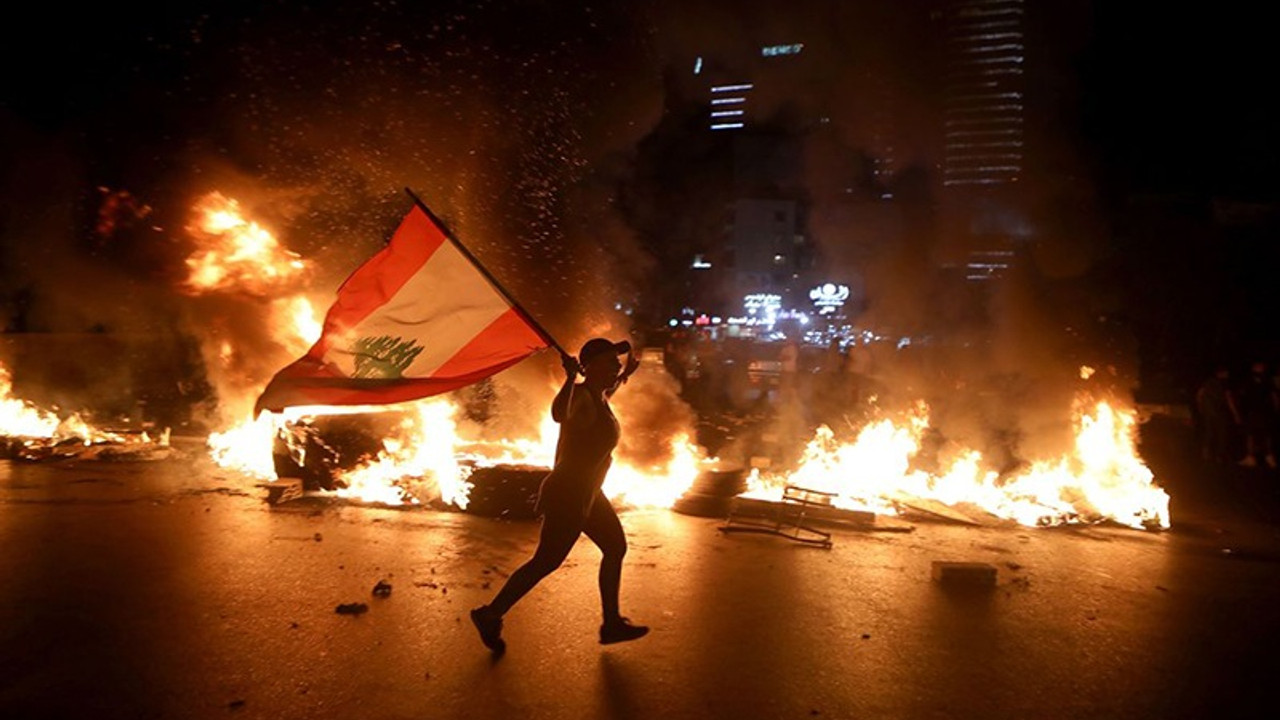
x,y
170,589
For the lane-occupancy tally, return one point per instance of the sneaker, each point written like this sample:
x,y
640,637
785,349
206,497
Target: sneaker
x,y
621,630
490,627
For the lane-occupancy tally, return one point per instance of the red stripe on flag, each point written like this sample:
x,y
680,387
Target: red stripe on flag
x,y
304,383
486,350
493,345
378,280
308,381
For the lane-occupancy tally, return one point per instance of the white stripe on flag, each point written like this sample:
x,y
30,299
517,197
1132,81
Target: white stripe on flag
x,y
443,307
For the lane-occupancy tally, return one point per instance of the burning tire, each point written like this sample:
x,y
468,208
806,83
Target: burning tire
x,y
331,445
712,493
505,491
701,505
725,482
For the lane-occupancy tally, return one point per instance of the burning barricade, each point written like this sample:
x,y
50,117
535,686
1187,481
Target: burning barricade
x,y
419,453
30,433
1101,479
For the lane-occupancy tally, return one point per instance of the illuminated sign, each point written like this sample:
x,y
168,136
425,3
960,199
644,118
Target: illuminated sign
x,y
771,50
829,296
758,302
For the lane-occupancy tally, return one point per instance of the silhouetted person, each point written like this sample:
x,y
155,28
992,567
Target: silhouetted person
x,y
1256,412
570,500
1213,408
788,373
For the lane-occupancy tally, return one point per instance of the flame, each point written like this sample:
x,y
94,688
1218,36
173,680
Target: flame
x,y
426,465
1102,479
429,458
237,254
657,486
247,447
299,316
36,426
19,418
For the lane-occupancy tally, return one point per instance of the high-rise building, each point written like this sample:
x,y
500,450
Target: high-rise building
x,y
983,53
984,91
744,100
728,85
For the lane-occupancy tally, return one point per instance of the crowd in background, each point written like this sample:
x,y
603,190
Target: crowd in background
x,y
736,375
1237,415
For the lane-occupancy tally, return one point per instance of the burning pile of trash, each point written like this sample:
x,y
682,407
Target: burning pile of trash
x,y
421,454
30,433
427,453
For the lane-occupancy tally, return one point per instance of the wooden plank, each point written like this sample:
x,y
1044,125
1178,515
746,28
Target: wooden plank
x,y
283,490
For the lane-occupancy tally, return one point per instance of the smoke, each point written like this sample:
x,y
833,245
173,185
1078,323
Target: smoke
x,y
315,120
653,414
530,130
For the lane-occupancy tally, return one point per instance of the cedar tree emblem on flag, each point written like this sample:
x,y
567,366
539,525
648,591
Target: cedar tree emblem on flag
x,y
419,318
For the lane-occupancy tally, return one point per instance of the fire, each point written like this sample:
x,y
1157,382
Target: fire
x,y
247,448
423,466
235,253
37,428
429,458
657,487
299,318
1102,479
19,418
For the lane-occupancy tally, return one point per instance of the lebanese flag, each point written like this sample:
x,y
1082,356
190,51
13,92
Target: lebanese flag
x,y
419,318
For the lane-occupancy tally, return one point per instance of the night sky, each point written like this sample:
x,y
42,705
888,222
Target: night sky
x,y
520,121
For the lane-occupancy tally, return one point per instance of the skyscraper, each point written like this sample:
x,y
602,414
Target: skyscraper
x,y
743,94
984,60
984,92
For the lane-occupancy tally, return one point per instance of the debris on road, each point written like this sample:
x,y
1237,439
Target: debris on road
x,y
382,589
504,491
966,574
355,608
282,490
76,440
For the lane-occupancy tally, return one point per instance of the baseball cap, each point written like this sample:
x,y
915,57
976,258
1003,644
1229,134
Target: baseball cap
x,y
600,346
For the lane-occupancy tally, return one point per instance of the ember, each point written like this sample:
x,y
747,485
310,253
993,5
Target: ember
x,y
420,453
236,252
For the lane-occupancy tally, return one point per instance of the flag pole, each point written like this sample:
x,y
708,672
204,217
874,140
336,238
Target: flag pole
x,y
487,275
